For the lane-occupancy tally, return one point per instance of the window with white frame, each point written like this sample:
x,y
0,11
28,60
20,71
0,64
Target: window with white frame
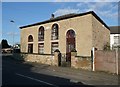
x,y
116,39
54,46
41,48
54,33
41,34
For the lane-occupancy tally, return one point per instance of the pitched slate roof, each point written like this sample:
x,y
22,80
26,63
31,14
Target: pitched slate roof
x,y
66,17
115,29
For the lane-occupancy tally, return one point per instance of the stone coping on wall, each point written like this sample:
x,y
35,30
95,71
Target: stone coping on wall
x,y
83,56
36,54
105,50
53,55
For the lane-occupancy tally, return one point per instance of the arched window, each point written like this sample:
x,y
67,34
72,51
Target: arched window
x,y
30,38
54,33
41,34
30,45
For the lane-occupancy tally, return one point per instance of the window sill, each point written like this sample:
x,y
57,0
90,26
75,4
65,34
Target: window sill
x,y
54,40
40,41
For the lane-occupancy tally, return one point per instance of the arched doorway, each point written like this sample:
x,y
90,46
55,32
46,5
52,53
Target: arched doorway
x,y
70,44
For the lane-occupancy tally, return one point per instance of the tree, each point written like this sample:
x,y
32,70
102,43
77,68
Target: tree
x,y
4,44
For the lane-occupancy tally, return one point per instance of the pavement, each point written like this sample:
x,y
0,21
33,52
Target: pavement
x,y
76,75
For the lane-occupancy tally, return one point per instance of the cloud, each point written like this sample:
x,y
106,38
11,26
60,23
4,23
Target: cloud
x,y
106,0
86,0
104,9
64,11
12,33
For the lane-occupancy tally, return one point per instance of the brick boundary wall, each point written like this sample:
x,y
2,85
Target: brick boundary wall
x,y
107,61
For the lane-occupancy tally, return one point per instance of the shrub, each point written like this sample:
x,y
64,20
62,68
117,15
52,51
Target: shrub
x,y
106,46
73,50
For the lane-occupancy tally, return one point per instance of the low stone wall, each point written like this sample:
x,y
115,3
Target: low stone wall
x,y
81,62
45,59
76,61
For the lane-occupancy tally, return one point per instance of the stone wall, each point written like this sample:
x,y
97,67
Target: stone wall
x,y
44,59
81,62
100,34
24,33
76,61
78,24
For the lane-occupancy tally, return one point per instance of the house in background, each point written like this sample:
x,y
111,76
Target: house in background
x,y
114,37
80,32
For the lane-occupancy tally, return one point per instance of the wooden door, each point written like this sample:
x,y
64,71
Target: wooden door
x,y
70,44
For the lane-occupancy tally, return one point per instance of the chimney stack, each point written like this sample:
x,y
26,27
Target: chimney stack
x,y
52,16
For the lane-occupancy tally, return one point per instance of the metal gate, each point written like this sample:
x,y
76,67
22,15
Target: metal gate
x,y
63,61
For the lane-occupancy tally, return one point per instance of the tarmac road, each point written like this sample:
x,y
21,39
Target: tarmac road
x,y
15,73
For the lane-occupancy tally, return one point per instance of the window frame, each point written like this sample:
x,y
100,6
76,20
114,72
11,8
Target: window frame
x,y
55,32
54,46
116,39
30,38
41,33
30,48
40,47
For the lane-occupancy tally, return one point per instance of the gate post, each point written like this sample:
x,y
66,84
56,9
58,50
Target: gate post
x,y
116,58
73,59
56,57
93,59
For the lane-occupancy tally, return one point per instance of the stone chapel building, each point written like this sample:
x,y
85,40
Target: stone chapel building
x,y
80,32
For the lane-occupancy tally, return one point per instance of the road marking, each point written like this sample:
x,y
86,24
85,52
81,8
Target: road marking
x,y
35,79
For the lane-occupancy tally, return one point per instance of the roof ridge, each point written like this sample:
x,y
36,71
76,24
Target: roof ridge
x,y
66,17
67,14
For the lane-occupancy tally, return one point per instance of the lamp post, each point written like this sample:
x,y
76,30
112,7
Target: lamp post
x,y
13,34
